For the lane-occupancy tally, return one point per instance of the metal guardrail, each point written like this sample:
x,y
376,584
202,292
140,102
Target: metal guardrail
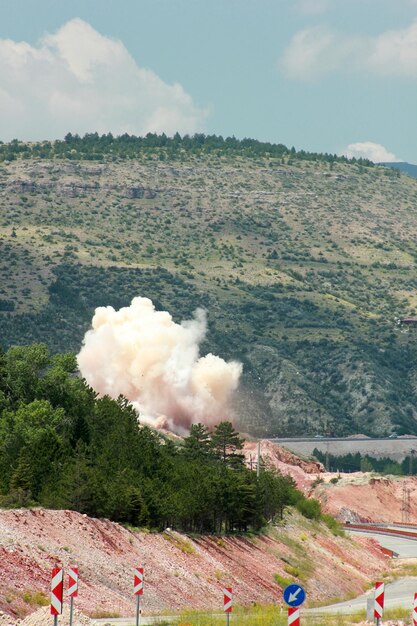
x,y
381,530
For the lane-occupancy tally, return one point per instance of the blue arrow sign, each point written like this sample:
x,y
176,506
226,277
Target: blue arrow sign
x,y
294,595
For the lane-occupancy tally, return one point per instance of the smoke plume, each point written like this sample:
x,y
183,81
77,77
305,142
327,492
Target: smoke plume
x,y
145,356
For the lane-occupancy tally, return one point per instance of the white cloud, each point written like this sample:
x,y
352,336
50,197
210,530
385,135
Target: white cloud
x,y
81,81
368,150
315,51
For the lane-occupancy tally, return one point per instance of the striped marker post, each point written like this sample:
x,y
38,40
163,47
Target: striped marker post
x,y
138,591
379,602
72,588
57,592
415,610
227,602
293,616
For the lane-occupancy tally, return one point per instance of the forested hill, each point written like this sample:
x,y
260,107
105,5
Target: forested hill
x,y
303,262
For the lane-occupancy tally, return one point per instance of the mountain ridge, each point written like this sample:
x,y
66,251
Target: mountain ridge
x,y
403,166
303,263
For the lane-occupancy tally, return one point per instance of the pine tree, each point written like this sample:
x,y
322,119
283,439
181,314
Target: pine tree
x,y
225,442
198,443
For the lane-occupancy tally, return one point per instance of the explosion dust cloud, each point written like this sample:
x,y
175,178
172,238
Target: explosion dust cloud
x,y
145,356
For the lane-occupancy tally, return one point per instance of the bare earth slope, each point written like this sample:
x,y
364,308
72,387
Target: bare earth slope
x,y
368,498
179,571
350,497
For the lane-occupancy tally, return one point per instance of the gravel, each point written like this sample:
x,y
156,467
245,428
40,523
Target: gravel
x,y
42,617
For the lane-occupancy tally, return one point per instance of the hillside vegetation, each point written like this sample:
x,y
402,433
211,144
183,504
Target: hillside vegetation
x,y
302,261
61,447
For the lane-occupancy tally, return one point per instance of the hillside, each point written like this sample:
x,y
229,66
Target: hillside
x,y
366,497
407,168
180,571
302,262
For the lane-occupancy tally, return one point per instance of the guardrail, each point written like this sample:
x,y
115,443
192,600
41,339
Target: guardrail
x,y
382,530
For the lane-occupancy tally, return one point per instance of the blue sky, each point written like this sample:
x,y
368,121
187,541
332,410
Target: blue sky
x,y
318,74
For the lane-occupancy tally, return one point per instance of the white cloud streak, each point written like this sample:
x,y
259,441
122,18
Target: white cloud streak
x,y
316,51
81,81
368,150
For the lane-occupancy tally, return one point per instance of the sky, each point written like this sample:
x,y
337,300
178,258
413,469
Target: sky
x,y
335,76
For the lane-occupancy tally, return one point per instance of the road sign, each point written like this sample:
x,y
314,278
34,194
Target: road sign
x,y
138,582
415,610
294,595
379,600
227,600
293,616
73,582
57,590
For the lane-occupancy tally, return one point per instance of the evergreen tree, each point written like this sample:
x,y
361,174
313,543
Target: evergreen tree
x,y
198,443
225,443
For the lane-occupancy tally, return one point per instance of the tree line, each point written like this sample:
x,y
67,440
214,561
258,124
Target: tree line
x,y
62,446
93,146
366,463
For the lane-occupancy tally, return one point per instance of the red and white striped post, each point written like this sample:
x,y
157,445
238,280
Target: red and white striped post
x,y
57,592
415,610
379,602
138,591
293,616
227,602
72,588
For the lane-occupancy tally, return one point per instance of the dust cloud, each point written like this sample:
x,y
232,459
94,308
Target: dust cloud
x,y
144,355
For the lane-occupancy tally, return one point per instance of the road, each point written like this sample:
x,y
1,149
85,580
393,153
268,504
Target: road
x,y
399,593
405,548
130,621
394,448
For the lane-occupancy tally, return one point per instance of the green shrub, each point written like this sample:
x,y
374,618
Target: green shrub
x,y
333,524
309,508
282,581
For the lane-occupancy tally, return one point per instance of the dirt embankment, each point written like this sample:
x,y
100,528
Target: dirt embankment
x,y
352,497
179,571
369,498
303,472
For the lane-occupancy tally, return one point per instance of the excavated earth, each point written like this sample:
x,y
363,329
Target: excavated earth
x,y
369,498
350,497
179,571
182,571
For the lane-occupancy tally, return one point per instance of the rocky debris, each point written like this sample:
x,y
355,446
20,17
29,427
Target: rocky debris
x,y
22,186
303,472
180,571
134,192
43,616
138,191
6,620
75,188
359,497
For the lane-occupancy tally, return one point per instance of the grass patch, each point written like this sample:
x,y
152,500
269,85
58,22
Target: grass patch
x,y
333,525
272,615
101,614
282,581
179,542
35,598
403,569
